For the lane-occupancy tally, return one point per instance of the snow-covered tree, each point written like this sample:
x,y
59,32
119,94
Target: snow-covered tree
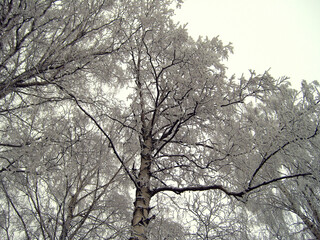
x,y
64,184
184,126
55,182
46,42
292,209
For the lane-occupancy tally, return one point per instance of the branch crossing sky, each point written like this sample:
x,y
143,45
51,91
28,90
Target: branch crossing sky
x,y
283,35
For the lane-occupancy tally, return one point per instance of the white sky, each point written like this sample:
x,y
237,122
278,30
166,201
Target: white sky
x,y
283,35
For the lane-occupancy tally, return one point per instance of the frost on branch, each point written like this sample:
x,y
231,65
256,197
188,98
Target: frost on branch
x,y
184,127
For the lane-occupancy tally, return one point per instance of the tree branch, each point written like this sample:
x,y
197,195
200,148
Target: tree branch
x,y
240,194
266,158
111,144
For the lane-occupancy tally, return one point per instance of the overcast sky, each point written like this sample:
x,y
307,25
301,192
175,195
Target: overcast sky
x,y
283,35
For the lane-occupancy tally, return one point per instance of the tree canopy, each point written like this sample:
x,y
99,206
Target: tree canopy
x,y
108,103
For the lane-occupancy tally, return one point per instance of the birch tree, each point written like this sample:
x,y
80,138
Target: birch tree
x,y
184,127
190,126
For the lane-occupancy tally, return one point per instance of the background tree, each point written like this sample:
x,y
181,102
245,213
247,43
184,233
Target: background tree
x,y
64,184
293,209
44,42
216,216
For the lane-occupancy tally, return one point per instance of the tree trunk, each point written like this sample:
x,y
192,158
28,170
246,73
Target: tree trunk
x,y
141,211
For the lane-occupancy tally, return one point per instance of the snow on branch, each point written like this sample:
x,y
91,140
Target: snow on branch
x,y
240,194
